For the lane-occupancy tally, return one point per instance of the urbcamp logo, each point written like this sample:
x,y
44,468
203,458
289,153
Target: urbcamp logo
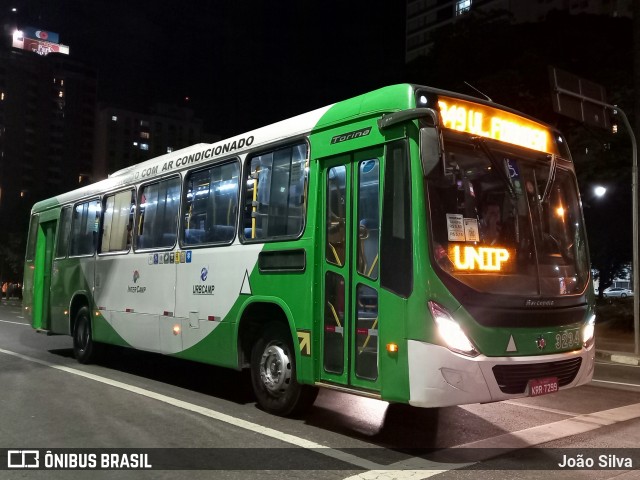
x,y
204,289
136,276
541,342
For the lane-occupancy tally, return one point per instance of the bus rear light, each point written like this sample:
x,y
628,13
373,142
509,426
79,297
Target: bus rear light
x,y
392,347
450,331
176,329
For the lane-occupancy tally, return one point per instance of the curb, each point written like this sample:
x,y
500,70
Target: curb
x,y
618,357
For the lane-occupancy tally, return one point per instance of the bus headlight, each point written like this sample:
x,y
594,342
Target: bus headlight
x,y
588,332
450,332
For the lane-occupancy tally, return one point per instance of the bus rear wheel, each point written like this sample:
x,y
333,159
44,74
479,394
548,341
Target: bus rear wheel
x,y
273,374
84,348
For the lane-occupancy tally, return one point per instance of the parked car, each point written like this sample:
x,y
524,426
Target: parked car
x,y
617,292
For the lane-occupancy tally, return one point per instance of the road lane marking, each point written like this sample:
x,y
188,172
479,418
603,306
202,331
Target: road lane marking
x,y
626,365
432,468
557,430
542,409
15,323
616,383
412,468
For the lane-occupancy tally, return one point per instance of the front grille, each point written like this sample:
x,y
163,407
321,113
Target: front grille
x,y
514,378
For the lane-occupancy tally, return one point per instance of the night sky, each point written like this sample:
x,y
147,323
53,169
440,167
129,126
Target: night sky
x,y
242,64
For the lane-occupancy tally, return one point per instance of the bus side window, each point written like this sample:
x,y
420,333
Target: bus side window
x,y
211,205
275,193
33,237
157,221
84,228
117,222
63,233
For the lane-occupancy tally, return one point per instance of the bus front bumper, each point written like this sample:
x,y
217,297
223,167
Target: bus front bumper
x,y
439,377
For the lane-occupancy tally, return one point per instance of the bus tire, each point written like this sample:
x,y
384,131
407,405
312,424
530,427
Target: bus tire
x,y
273,374
84,348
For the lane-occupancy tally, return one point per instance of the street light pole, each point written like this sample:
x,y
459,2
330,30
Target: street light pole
x,y
634,193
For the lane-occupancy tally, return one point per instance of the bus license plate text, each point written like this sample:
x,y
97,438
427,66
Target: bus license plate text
x,y
542,386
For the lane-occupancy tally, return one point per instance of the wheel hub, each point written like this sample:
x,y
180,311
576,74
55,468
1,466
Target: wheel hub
x,y
275,369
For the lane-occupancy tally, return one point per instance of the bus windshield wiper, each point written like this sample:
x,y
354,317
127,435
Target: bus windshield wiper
x,y
496,165
550,180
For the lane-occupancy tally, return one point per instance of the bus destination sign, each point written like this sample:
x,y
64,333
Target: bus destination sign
x,y
496,124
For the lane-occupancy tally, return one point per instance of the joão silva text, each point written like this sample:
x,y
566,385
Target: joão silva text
x,y
604,461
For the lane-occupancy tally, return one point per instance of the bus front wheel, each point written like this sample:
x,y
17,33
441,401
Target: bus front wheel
x,y
273,374
84,348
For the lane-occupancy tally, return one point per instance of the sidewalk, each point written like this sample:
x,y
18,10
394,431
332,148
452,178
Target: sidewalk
x,y
12,301
615,344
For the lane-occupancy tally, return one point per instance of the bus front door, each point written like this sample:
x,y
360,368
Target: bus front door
x,y
41,318
350,322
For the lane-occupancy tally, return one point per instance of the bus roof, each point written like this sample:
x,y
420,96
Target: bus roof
x,y
384,100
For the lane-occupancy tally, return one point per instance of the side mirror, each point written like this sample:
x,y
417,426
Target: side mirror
x,y
430,148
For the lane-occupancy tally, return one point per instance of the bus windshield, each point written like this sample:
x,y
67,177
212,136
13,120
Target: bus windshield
x,y
506,220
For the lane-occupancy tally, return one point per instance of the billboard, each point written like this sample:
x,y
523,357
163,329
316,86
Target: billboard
x,y
23,41
37,34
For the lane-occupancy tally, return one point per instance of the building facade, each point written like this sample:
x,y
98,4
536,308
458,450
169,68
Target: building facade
x,y
425,17
47,105
125,137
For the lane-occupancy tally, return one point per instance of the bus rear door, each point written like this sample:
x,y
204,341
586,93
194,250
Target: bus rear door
x,y
41,314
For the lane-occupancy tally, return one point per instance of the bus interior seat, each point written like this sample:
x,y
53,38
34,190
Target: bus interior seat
x,y
141,241
247,233
168,239
220,233
194,236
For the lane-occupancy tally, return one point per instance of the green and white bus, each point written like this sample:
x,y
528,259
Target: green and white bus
x,y
410,244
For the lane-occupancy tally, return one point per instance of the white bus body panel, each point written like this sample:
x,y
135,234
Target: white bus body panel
x,y
439,377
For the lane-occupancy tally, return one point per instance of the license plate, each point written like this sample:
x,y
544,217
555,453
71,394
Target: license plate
x,y
542,386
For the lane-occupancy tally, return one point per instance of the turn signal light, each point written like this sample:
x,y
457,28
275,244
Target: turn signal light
x,y
392,347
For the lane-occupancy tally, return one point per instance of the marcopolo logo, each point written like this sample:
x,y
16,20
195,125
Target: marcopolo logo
x,y
539,303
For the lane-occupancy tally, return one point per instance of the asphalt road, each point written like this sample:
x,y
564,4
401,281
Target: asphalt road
x,y
206,419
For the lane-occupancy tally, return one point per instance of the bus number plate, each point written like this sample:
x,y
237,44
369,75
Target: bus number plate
x,y
542,386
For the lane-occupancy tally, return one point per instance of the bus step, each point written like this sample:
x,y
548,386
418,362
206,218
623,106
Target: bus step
x,y
355,391
48,333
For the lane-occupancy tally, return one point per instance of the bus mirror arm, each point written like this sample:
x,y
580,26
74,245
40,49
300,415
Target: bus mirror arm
x,y
427,114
